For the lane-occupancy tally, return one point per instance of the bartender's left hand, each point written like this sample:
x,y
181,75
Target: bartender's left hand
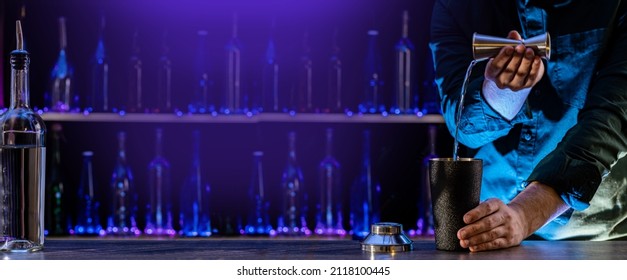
x,y
492,225
496,225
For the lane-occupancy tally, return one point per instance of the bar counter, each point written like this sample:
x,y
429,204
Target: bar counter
x,y
303,249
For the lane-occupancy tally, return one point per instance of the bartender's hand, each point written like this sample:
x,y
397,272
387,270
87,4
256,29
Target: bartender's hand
x,y
496,225
509,77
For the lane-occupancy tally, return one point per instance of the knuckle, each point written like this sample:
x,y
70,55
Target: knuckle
x,y
508,71
521,74
499,243
490,206
493,235
511,240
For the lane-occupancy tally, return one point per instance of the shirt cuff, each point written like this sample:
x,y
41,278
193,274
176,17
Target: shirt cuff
x,y
503,102
574,180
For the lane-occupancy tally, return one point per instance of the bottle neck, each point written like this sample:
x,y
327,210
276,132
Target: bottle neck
x,y
258,171
366,152
62,34
19,79
122,148
158,143
56,146
405,33
19,88
291,156
329,144
234,30
196,155
432,139
89,177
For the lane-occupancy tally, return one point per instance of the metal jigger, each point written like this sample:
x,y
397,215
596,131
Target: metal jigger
x,y
386,238
485,46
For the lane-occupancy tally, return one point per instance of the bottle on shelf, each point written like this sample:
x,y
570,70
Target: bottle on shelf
x,y
135,78
159,216
330,211
305,79
365,194
405,97
292,220
122,218
61,96
88,207
430,97
202,101
194,217
258,217
334,92
164,78
270,78
56,201
424,223
373,82
23,159
233,97
99,99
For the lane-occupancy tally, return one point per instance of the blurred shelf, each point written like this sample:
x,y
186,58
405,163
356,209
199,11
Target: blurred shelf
x,y
241,118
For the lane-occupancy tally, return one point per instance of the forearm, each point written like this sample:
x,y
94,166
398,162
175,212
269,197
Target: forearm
x,y
537,205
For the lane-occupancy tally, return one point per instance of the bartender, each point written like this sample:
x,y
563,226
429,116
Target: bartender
x,y
552,133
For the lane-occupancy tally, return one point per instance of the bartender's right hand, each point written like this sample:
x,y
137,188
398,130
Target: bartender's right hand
x,y
509,77
515,68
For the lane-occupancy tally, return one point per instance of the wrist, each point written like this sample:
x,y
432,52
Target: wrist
x,y
537,205
521,214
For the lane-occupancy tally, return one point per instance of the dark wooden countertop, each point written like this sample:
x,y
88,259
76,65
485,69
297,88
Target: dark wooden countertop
x,y
303,249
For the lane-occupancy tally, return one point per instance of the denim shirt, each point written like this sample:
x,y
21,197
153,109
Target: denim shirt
x,y
572,130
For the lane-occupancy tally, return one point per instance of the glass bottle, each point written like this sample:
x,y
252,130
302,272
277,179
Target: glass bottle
x,y
334,93
164,79
123,201
404,88
135,79
293,216
364,195
87,216
329,214
194,217
56,215
425,217
305,78
258,219
99,99
201,102
61,97
23,159
233,96
159,209
373,82
270,79
430,97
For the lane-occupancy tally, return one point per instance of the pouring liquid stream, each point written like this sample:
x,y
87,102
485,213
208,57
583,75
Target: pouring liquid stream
x,y
460,108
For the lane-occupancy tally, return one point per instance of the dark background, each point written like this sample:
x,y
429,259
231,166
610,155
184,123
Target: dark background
x,y
397,149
